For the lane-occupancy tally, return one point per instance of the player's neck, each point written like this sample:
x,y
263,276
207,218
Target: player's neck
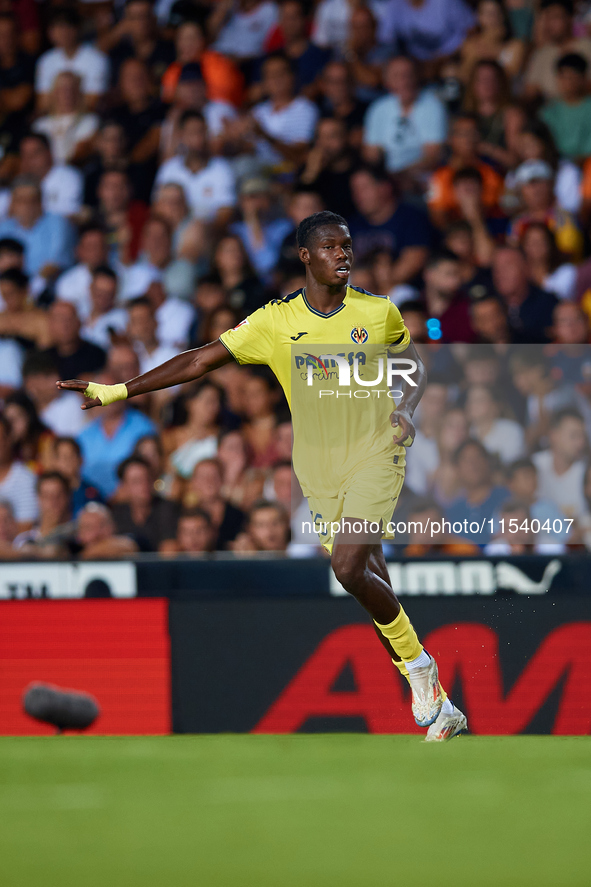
x,y
324,298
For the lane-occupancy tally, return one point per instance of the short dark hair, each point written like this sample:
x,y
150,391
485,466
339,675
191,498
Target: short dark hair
x,y
412,305
567,5
65,15
53,475
308,227
572,61
377,171
560,416
467,174
196,512
11,245
139,302
16,277
39,364
519,465
131,460
104,271
191,114
38,137
67,441
472,442
439,256
282,57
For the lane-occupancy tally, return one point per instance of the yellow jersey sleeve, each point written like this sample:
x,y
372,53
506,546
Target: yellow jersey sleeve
x,y
251,341
396,334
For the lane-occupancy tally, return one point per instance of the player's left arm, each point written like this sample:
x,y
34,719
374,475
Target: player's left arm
x,y
401,417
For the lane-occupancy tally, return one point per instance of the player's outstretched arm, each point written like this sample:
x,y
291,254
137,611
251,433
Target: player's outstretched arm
x,y
401,418
184,367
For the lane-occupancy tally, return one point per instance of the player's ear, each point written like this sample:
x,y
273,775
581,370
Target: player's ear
x,y
304,254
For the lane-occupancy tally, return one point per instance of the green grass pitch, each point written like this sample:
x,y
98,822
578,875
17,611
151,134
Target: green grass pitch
x,y
337,810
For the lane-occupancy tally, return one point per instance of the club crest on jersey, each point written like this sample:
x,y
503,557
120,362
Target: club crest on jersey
x,y
359,335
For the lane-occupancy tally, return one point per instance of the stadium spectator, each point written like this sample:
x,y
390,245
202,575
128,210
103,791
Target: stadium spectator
x,y
141,329
67,460
291,36
561,468
208,181
329,165
546,266
529,308
48,239
74,284
109,152
156,263
95,537
492,41
534,179
46,538
522,482
105,321
365,54
195,534
20,319
464,142
223,79
194,436
17,482
240,285
66,125
267,529
74,356
555,26
174,316
261,232
502,437
406,128
58,410
451,434
137,37
241,30
61,185
490,321
69,54
570,325
513,534
338,100
110,438
122,216
568,116
141,513
204,490
423,514
535,142
446,305
16,92
488,97
383,222
429,29
233,459
480,497
544,394
31,439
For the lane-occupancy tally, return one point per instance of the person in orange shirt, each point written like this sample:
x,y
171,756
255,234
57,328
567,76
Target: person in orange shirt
x,y
223,79
463,141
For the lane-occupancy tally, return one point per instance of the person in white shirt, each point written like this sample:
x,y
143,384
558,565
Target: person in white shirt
x,y
208,182
104,317
61,414
142,330
61,185
561,469
11,362
242,28
68,54
67,125
173,316
17,483
157,263
502,437
408,127
74,285
284,124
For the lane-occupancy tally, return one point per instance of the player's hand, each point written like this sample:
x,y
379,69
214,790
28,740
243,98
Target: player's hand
x,y
77,385
404,429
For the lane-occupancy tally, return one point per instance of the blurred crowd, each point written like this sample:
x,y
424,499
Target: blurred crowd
x,y
155,161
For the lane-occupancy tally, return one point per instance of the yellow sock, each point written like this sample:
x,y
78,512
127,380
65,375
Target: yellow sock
x,y
402,636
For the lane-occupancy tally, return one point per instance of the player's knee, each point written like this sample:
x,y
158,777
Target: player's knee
x,y
348,573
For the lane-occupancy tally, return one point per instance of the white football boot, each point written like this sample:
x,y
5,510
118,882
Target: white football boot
x,y
426,693
447,726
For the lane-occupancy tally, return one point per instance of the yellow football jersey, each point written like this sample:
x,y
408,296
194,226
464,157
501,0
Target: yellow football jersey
x,y
338,428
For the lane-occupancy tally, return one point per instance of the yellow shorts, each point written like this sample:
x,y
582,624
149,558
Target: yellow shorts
x,y
370,495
